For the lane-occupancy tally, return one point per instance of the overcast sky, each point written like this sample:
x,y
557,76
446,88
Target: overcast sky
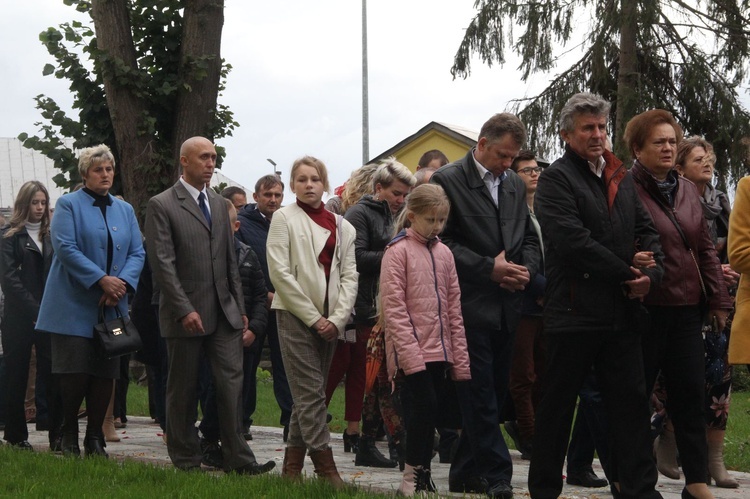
x,y
296,84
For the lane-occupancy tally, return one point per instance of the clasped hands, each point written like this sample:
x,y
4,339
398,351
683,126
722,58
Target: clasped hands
x,y
114,289
326,329
509,275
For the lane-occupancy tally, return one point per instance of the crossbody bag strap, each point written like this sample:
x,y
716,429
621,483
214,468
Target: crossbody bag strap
x,y
670,214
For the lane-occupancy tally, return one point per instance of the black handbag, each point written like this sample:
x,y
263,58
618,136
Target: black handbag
x,y
117,336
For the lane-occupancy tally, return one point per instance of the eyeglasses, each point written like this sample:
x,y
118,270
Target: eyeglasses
x,y
531,169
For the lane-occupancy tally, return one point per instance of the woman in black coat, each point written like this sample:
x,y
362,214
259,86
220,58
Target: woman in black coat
x,y
26,258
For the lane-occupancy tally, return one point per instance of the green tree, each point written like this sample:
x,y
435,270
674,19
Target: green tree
x,y
686,56
151,80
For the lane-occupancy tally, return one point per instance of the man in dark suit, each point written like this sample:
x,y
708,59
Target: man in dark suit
x,y
496,251
191,251
593,223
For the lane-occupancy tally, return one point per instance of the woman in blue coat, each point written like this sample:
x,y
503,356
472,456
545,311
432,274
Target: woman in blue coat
x,y
98,258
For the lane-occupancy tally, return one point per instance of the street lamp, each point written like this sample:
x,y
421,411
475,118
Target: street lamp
x,y
275,171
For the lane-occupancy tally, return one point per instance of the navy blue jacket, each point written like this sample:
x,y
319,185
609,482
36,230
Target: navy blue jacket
x,y
254,232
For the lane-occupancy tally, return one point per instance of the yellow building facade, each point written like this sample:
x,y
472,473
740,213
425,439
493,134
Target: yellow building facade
x,y
452,140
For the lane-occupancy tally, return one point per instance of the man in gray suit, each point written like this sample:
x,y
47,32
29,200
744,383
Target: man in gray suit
x,y
191,252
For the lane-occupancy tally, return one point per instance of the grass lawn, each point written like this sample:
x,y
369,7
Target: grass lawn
x,y
737,448
43,475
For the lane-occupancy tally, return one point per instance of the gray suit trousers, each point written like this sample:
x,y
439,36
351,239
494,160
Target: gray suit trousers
x,y
223,349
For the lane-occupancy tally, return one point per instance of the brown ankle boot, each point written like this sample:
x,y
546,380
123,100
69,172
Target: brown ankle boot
x,y
325,467
294,460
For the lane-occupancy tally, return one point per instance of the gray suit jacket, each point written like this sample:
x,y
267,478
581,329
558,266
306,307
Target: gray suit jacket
x,y
194,266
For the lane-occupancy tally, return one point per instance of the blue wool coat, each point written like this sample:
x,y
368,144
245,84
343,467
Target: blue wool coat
x,y
79,238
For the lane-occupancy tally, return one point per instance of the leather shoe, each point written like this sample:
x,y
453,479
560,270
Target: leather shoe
x,y
586,478
254,468
69,445
501,490
93,445
472,485
23,445
211,453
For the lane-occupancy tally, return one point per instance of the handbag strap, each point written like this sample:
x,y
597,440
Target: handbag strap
x,y
671,216
101,312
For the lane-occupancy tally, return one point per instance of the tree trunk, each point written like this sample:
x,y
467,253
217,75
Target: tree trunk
x,y
126,109
200,72
627,80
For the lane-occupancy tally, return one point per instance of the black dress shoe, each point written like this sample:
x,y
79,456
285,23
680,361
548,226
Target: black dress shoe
x,y
586,478
22,445
211,453
190,469
471,485
94,444
285,434
501,490
55,443
254,468
69,445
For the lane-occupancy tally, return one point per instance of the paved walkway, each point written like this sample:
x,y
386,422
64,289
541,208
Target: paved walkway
x,y
142,441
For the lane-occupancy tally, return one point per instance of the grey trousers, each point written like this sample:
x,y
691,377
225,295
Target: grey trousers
x,y
224,351
307,359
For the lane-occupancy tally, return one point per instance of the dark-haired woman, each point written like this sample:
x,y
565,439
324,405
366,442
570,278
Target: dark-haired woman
x,y
24,263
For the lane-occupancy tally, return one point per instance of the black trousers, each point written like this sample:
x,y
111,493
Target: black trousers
x,y
618,364
481,447
674,345
17,343
420,397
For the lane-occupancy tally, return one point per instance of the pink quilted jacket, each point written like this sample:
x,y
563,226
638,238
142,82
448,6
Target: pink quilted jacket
x,y
421,301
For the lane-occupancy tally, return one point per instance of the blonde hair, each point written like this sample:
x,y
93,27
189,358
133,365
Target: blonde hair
x,y
319,166
232,211
92,156
22,207
358,185
391,170
423,200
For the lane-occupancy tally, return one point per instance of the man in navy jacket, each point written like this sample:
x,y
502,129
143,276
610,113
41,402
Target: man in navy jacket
x,y
255,220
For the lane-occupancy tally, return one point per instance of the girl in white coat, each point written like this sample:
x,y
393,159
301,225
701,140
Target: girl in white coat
x,y
312,267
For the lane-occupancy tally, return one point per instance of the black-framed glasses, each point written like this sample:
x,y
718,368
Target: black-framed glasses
x,y
531,169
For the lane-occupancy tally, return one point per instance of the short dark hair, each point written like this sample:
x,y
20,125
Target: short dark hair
x,y
430,155
524,155
231,191
268,181
503,124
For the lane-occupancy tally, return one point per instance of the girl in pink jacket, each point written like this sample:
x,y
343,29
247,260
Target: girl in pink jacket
x,y
424,330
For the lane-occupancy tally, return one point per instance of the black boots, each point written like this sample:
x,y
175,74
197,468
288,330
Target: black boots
x,y
351,442
397,449
94,444
69,445
369,455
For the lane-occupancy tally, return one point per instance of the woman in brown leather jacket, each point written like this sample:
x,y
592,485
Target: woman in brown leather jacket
x,y
693,283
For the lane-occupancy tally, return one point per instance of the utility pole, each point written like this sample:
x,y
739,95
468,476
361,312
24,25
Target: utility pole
x,y
365,105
